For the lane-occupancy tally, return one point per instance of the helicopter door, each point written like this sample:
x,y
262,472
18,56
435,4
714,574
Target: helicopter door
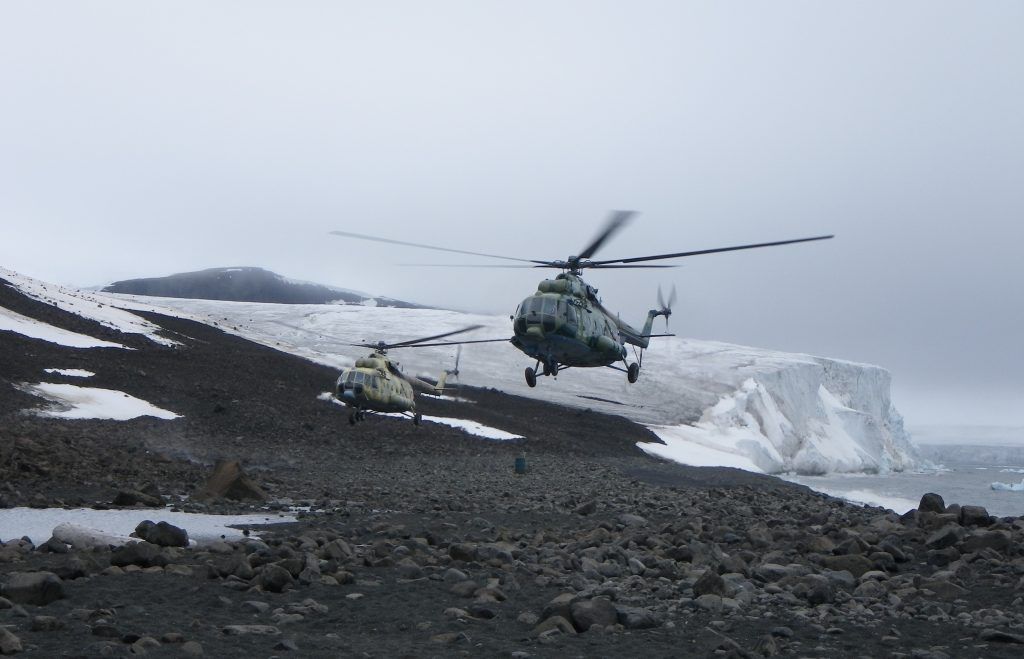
x,y
568,312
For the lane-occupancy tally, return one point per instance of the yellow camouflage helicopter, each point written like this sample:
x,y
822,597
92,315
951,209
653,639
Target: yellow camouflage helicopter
x,y
376,384
564,323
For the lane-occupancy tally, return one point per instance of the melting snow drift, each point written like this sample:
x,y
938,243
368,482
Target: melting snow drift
x,y
114,526
74,402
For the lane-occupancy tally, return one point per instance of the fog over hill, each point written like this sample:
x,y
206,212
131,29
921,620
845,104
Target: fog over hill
x,y
248,284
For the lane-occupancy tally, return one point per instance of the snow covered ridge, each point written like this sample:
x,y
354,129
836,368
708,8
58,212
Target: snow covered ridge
x,y
94,306
711,403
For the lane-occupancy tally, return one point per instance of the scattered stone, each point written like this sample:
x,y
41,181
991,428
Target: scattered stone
x,y
251,630
9,643
36,588
998,636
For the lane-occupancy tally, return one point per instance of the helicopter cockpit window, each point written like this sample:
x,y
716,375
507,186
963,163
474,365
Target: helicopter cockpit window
x,y
548,317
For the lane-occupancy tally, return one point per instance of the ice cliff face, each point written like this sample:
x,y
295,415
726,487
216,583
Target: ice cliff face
x,y
795,413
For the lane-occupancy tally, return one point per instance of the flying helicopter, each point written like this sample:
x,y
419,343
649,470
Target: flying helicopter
x,y
564,324
377,384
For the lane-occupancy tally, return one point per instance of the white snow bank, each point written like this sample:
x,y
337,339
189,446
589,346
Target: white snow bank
x,y
698,448
35,329
39,524
473,428
71,372
1009,487
88,304
74,402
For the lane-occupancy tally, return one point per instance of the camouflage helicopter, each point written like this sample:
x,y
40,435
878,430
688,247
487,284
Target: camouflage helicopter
x,y
564,323
376,382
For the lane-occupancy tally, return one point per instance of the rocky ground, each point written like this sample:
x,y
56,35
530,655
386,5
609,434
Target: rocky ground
x,y
425,542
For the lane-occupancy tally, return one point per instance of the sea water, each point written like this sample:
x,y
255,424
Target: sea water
x,y
963,465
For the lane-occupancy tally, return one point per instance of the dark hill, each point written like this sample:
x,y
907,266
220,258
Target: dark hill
x,y
245,284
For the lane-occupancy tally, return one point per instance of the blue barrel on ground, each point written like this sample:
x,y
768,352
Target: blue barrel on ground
x,y
521,464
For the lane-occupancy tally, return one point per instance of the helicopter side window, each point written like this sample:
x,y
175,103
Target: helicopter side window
x,y
571,319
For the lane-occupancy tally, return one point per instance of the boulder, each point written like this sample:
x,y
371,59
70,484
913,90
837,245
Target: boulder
x,y
632,617
932,503
274,578
143,554
9,643
947,536
554,622
597,611
162,534
999,541
855,564
709,583
974,516
131,498
228,481
36,588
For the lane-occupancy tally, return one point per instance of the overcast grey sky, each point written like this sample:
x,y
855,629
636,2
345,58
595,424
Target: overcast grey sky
x,y
146,138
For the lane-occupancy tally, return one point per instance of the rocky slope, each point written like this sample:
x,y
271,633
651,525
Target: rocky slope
x,y
425,542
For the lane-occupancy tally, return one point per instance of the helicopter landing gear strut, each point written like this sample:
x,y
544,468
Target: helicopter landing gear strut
x,y
356,415
551,367
416,418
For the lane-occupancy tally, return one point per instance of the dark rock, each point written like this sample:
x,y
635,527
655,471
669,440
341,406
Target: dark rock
x,y
554,622
162,534
274,578
143,554
974,516
632,617
932,503
998,636
596,611
588,508
9,643
36,588
462,552
999,541
130,498
709,583
855,564
46,624
947,536
228,481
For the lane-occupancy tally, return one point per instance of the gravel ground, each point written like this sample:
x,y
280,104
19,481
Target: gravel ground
x,y
424,542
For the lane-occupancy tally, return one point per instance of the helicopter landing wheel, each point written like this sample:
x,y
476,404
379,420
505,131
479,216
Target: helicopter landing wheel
x,y
352,418
361,416
633,372
416,418
531,377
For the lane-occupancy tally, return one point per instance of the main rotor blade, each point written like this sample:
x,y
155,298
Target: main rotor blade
x,y
708,251
403,344
360,236
615,222
602,267
466,265
450,343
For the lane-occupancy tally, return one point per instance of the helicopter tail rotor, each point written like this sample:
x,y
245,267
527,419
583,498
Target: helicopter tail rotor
x,y
665,309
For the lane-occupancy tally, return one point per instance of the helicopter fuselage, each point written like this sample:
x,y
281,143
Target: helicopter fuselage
x,y
564,324
375,384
